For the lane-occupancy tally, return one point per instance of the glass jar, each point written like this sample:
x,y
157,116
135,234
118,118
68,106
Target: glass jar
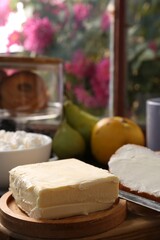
x,y
31,93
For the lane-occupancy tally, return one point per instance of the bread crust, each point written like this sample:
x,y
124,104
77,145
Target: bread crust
x,y
141,194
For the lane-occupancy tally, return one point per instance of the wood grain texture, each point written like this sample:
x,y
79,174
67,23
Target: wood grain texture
x,y
15,221
133,228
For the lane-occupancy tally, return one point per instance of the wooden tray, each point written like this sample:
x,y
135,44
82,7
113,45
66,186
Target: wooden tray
x,y
13,219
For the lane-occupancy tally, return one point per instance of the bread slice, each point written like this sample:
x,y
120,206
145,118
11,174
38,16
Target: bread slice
x,y
138,170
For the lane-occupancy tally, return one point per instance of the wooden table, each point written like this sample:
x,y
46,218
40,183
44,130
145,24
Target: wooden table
x,y
133,228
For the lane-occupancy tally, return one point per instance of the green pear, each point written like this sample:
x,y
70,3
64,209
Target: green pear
x,y
80,120
68,143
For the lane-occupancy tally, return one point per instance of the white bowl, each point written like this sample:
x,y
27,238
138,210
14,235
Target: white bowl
x,y
13,158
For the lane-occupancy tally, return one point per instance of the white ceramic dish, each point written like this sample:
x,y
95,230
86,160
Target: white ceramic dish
x,y
13,158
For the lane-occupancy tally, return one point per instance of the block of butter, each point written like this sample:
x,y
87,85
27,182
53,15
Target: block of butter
x,y
63,188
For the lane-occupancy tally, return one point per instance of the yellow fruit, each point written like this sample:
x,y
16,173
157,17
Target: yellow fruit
x,y
111,133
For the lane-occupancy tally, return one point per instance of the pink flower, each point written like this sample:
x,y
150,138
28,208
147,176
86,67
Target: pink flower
x,y
83,97
81,11
102,70
88,81
4,11
79,66
100,82
101,93
14,38
105,21
38,33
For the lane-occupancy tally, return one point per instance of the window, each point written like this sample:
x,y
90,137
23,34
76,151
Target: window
x,y
76,31
143,55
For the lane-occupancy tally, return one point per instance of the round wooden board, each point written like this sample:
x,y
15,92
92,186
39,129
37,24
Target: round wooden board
x,y
13,219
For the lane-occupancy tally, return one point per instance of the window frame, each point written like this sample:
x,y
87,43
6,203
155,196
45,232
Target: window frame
x,y
119,73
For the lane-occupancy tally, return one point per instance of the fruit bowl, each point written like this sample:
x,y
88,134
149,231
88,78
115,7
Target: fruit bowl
x,y
19,148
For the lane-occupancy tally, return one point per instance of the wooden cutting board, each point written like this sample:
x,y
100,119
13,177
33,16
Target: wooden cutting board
x,y
13,219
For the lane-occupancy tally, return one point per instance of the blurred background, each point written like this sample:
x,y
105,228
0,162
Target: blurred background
x,y
82,33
